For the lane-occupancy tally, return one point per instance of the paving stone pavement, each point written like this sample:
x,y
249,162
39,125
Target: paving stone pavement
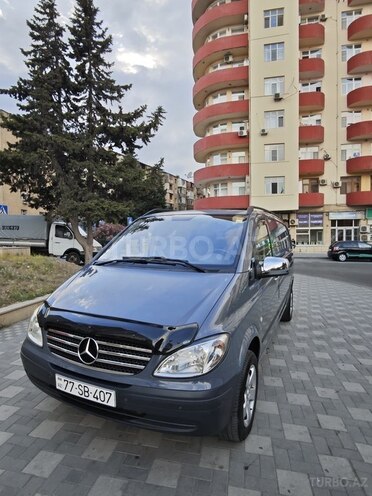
x,y
312,433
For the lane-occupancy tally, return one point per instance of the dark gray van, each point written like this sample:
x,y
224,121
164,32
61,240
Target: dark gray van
x,y
165,328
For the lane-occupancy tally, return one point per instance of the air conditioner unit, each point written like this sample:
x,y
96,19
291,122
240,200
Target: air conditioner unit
x,y
364,237
293,222
228,58
246,19
242,132
263,132
326,157
337,184
277,97
322,182
364,229
323,18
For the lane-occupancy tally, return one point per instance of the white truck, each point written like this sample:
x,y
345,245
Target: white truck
x,y
34,231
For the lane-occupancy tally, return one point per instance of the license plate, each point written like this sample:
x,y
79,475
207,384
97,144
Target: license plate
x,y
86,391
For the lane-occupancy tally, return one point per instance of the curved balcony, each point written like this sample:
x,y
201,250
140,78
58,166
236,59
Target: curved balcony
x,y
223,79
360,28
198,7
217,142
311,167
311,35
228,14
215,50
311,199
220,172
361,63
310,134
360,97
358,3
224,202
359,165
311,6
311,69
311,101
214,113
359,131
359,198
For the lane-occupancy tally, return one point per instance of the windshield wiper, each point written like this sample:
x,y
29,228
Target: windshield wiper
x,y
149,260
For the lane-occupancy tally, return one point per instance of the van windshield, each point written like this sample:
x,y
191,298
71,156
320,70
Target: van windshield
x,y
203,240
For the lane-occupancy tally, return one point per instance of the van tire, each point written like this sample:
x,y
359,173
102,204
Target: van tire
x,y
288,311
241,421
73,257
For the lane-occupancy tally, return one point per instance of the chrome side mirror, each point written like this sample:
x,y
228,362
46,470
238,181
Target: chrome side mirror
x,y
274,266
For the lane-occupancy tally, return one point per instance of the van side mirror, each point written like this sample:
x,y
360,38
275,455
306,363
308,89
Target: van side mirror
x,y
273,267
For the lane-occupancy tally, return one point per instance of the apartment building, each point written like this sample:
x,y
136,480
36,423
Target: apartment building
x,y
283,99
179,193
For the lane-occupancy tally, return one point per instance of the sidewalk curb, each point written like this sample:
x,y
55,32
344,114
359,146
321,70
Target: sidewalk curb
x,y
19,311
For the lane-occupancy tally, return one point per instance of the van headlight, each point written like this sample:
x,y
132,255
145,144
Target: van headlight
x,y
194,360
34,331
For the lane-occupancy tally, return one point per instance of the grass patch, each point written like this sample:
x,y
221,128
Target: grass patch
x,y
24,278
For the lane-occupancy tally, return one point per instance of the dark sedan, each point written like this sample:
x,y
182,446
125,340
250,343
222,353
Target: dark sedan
x,y
353,250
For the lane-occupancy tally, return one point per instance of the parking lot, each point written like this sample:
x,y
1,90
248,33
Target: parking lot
x,y
312,432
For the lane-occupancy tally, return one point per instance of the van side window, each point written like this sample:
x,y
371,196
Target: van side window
x,y
280,241
63,232
262,246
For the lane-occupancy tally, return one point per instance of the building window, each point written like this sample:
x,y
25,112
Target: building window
x,y
348,51
274,119
218,128
350,184
312,54
274,152
348,17
273,52
310,186
309,87
238,126
309,152
348,118
237,95
310,229
230,31
309,20
219,98
273,18
217,159
311,120
350,151
220,189
350,84
274,85
238,157
275,185
238,188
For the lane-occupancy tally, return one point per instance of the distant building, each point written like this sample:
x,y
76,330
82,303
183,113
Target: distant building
x,y
180,193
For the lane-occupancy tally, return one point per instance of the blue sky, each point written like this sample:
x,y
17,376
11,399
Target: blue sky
x,y
152,49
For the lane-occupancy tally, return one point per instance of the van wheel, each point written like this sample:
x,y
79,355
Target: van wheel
x,y
288,311
342,257
244,403
73,257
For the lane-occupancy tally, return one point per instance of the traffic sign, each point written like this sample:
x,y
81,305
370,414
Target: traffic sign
x,y
3,209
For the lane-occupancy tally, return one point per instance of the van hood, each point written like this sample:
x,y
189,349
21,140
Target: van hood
x,y
143,294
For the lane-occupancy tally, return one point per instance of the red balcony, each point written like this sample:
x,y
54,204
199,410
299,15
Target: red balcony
x,y
217,142
359,165
358,3
213,113
361,63
360,29
311,35
360,97
359,131
311,69
198,7
311,167
311,200
215,50
311,6
229,14
311,134
359,198
218,80
311,101
224,202
220,173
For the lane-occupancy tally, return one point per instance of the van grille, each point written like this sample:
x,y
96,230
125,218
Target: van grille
x,y
125,356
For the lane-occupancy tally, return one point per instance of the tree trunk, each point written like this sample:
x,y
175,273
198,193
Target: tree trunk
x,y
86,242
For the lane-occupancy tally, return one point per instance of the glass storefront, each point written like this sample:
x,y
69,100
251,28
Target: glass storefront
x,y
310,229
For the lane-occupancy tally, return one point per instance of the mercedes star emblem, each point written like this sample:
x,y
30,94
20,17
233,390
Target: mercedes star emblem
x,y
88,351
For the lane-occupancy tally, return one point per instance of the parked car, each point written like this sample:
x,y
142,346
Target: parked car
x,y
165,328
344,250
